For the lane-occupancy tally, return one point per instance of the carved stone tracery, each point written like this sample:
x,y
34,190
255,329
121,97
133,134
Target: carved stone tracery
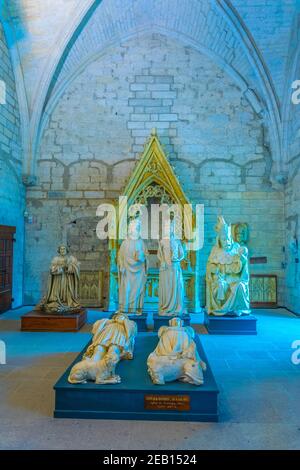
x,y
154,191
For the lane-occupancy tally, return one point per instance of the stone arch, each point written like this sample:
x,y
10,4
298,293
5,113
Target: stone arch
x,y
54,66
273,116
260,94
291,112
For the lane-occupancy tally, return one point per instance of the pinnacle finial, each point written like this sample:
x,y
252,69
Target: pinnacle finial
x,y
153,131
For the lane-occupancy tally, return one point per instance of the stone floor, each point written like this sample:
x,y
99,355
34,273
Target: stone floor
x,y
259,399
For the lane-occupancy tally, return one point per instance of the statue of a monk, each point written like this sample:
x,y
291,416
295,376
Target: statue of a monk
x,y
227,275
171,287
176,356
63,284
132,269
113,340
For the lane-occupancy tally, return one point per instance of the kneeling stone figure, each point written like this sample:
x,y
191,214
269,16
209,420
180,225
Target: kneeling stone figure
x,y
113,340
176,356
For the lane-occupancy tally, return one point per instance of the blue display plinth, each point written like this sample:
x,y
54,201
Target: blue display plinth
x,y
244,325
141,321
137,397
160,320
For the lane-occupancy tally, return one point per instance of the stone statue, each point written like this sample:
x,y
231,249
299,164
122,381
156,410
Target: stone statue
x,y
240,233
171,287
113,340
63,284
132,269
227,275
176,356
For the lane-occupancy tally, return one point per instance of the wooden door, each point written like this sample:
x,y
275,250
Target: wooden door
x,y
6,266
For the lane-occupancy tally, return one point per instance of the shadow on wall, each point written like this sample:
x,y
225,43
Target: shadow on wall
x,y
11,13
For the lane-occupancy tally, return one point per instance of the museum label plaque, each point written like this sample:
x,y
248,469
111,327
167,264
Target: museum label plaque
x,y
167,402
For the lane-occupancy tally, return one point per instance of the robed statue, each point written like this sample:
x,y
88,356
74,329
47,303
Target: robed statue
x,y
227,275
171,286
113,340
132,270
176,356
63,284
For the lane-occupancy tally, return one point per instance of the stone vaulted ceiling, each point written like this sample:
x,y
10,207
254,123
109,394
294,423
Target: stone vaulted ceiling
x,y
52,40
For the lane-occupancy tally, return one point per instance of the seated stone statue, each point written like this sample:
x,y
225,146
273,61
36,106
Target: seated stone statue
x,y
63,284
176,356
113,340
227,275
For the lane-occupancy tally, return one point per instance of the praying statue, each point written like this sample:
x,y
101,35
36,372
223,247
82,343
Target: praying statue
x,y
176,356
132,270
227,275
171,287
63,284
113,340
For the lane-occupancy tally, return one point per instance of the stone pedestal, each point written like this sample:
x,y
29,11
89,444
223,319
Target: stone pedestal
x,y
160,320
38,321
136,397
228,325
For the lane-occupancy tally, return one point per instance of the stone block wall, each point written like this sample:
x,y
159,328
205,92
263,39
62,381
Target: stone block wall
x,y
292,215
292,279
12,194
96,133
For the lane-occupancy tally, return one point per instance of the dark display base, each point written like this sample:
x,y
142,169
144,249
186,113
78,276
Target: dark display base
x,y
37,321
244,325
137,397
160,320
141,321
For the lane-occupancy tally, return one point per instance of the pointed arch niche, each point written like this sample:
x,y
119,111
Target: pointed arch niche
x,y
154,181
